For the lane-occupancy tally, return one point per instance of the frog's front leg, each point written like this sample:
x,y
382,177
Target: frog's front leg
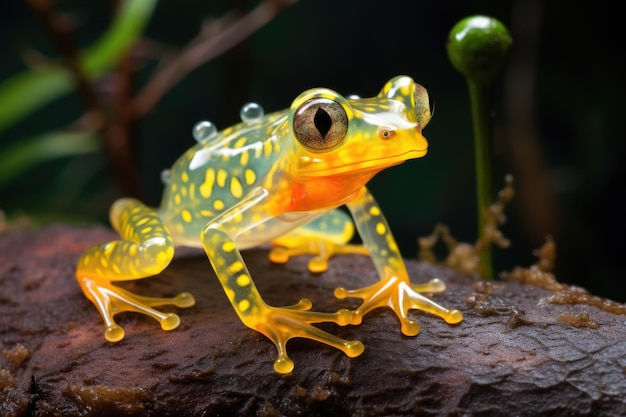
x,y
279,324
323,238
146,249
394,288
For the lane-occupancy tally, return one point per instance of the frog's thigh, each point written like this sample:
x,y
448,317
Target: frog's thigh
x,y
323,237
145,249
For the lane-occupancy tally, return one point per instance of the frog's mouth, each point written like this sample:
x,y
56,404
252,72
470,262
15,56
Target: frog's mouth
x,y
374,165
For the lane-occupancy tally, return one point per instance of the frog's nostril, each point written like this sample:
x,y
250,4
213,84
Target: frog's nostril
x,y
386,134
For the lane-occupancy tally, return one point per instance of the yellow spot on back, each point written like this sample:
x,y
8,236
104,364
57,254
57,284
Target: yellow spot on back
x,y
381,229
235,187
221,177
250,176
245,156
240,142
218,204
207,186
186,215
267,148
177,199
184,176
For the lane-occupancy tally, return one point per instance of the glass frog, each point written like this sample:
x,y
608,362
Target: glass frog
x,y
278,178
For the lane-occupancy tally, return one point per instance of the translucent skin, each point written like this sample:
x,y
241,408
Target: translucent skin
x,y
276,178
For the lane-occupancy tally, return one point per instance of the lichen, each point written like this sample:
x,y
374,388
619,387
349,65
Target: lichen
x,y
465,257
17,355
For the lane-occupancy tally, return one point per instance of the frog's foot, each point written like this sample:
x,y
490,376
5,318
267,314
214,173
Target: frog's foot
x,y
401,296
111,299
280,324
322,250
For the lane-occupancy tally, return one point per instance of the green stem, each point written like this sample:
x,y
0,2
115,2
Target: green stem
x,y
480,99
477,47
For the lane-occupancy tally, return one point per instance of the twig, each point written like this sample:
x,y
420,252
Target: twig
x,y
60,35
114,131
115,126
202,49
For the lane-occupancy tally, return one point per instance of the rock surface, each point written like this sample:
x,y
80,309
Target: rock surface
x,y
515,353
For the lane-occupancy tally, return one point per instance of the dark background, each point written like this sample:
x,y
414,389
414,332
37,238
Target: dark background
x,y
558,118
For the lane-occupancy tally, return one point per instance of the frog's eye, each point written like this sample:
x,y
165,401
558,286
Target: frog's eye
x,y
424,105
320,123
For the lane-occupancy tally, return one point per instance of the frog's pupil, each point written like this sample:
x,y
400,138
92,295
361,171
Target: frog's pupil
x,y
322,121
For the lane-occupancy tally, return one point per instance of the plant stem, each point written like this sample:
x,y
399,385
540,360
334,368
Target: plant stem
x,y
480,99
477,47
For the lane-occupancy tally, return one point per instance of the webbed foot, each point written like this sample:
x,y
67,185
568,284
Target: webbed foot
x,y
280,324
401,296
111,299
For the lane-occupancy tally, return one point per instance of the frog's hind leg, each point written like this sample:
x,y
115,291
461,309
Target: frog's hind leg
x,y
146,249
394,288
323,237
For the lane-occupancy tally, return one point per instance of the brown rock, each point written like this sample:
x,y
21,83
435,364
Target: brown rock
x,y
515,353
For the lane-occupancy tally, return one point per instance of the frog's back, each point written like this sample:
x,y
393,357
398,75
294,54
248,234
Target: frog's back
x,y
216,173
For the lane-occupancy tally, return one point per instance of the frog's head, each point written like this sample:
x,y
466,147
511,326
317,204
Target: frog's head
x,y
337,136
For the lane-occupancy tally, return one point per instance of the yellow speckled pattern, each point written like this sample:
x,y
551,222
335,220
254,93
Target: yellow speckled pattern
x,y
276,178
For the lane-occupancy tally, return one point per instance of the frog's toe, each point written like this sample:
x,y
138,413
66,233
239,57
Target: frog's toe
x,y
354,348
304,304
453,317
409,327
184,300
318,264
283,364
279,255
114,333
345,317
170,321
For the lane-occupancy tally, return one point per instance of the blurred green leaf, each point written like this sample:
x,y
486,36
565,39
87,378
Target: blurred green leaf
x,y
18,158
27,91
